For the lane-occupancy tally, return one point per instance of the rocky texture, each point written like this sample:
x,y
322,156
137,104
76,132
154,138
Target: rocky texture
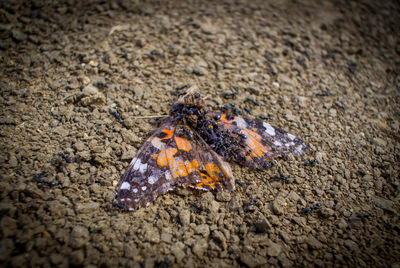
x,y
76,79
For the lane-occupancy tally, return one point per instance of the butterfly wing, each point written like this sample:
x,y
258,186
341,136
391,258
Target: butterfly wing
x,y
173,156
210,171
254,143
144,179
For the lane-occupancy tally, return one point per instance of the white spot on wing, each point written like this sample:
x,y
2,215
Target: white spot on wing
x,y
240,122
125,186
142,168
277,143
299,148
168,175
269,129
133,161
290,136
135,190
131,209
137,164
157,143
152,179
144,188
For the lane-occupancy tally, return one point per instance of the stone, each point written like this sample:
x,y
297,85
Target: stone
x,y
274,220
262,225
77,257
275,85
351,244
80,146
199,247
87,207
152,234
252,261
327,212
178,250
94,100
56,258
208,28
166,236
8,226
18,35
207,203
130,250
200,71
202,229
285,262
79,236
184,217
274,249
223,196
220,238
8,209
384,203
235,203
12,160
278,206
284,79
90,90
342,224
380,142
313,242
6,248
293,196
92,96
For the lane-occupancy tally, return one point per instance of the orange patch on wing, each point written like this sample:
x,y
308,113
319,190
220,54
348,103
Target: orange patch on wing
x,y
253,141
223,119
166,156
183,144
206,182
211,168
180,168
169,133
192,166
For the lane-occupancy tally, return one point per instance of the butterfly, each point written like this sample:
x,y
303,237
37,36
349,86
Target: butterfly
x,y
192,148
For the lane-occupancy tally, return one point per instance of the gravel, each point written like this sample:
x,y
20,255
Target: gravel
x,y
78,79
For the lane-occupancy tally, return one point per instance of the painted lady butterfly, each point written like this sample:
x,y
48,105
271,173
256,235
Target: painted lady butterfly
x,y
191,147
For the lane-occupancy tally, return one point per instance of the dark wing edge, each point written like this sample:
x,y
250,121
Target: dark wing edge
x,y
144,180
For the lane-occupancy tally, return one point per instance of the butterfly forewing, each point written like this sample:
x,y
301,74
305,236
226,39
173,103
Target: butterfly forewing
x,y
144,179
173,156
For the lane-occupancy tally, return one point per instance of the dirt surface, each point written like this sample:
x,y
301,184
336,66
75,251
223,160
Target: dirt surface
x,y
76,78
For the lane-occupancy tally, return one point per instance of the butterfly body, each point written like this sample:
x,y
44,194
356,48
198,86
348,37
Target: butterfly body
x,y
191,149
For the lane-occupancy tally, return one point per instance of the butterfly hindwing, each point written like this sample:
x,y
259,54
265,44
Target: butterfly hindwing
x,y
210,171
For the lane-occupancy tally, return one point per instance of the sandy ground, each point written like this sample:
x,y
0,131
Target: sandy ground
x,y
76,78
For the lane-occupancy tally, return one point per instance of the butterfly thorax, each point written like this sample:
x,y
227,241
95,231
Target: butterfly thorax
x,y
189,109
